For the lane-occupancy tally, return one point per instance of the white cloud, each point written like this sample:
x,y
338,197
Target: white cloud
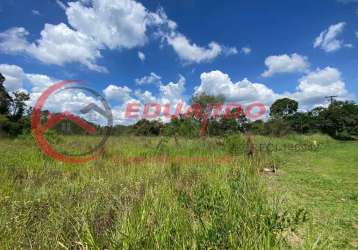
x,y
120,94
172,92
72,101
328,41
113,23
95,25
14,76
357,34
58,45
316,85
285,64
145,97
152,78
13,40
141,56
246,50
218,83
193,53
310,92
40,82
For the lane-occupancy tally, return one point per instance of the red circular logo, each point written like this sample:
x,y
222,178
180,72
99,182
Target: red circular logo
x,y
39,129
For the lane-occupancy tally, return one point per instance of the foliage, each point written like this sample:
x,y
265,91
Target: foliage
x,y
12,111
339,120
5,99
283,108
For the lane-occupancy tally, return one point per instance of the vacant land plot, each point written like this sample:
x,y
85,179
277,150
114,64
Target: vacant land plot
x,y
179,194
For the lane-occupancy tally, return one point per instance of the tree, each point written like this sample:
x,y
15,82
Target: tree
x,y
207,102
19,105
5,99
12,111
206,105
282,108
340,120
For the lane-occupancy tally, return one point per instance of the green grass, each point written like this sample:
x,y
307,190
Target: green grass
x,y
325,182
162,193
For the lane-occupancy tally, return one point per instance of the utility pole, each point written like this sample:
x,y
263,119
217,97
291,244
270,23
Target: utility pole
x,y
331,98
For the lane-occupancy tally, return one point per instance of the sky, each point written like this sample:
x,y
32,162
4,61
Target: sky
x,y
167,51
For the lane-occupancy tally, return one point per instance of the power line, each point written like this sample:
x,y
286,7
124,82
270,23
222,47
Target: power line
x,y
331,98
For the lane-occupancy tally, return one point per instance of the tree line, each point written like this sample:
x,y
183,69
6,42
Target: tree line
x,y
339,119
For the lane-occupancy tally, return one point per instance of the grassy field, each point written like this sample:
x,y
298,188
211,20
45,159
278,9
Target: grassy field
x,y
325,183
162,193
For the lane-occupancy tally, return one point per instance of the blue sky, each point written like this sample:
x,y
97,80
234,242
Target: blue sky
x,y
308,49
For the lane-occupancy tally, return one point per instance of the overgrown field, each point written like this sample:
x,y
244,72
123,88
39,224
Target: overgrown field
x,y
167,193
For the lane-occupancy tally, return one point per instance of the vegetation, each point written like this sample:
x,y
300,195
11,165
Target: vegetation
x,y
143,193
324,182
158,186
14,119
339,120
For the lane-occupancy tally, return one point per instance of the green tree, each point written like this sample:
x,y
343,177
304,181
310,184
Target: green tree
x,y
12,111
19,105
340,120
5,99
204,106
282,108
207,103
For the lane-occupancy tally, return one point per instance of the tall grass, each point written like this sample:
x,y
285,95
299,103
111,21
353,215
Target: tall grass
x,y
130,204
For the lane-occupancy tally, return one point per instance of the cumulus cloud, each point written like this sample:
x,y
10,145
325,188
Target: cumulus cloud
x,y
218,83
95,25
328,41
58,45
141,56
14,75
14,40
173,92
152,78
285,64
169,94
112,24
66,100
316,85
115,24
118,93
145,97
310,91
